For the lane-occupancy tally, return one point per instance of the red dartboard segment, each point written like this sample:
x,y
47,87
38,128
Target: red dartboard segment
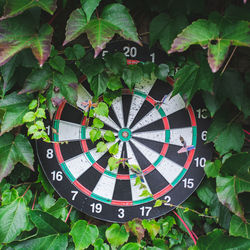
x,y
150,138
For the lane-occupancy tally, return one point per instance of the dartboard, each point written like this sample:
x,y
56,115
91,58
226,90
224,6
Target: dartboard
x,y
155,131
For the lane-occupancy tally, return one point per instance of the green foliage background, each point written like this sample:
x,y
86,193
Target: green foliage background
x,y
43,58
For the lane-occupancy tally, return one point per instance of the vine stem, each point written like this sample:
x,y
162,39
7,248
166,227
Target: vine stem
x,y
247,132
228,61
33,205
26,190
20,184
68,213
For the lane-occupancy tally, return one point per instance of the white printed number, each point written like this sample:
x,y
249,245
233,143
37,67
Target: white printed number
x,y
104,52
48,130
200,162
188,183
202,113
50,153
130,51
153,57
121,213
167,199
74,194
96,208
204,135
145,211
57,176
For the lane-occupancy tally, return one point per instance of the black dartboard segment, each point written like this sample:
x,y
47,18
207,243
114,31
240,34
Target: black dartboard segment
x,y
166,141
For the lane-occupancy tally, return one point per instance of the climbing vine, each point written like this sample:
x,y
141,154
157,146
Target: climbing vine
x,y
49,47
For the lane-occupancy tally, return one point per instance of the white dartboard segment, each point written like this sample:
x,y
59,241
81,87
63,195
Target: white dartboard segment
x,y
69,131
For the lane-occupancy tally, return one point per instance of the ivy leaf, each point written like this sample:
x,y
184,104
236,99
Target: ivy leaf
x,y
47,224
193,77
95,134
162,72
113,163
115,62
83,234
75,25
16,7
165,29
217,240
97,123
114,83
57,63
109,136
89,6
14,150
101,146
152,227
49,242
118,15
46,201
29,117
132,75
217,39
131,246
166,225
44,181
100,32
14,107
99,83
102,109
36,80
212,169
23,30
239,227
225,134
9,196
13,220
135,226
116,235
75,53
100,245
114,149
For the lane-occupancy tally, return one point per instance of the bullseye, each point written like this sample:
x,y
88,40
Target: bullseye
x,y
125,134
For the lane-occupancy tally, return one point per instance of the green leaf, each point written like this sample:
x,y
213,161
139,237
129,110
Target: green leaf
x,y
132,75
46,201
36,80
193,77
162,72
152,227
109,136
101,146
9,196
99,83
40,113
166,225
13,220
115,62
116,235
47,224
118,15
13,150
44,181
158,203
239,227
40,125
15,7
33,104
59,209
100,32
49,242
135,226
15,108
102,109
97,123
100,245
75,25
114,83
89,6
95,135
24,31
165,29
83,234
225,134
212,169
75,53
29,117
131,246
57,63
217,240
114,149
113,163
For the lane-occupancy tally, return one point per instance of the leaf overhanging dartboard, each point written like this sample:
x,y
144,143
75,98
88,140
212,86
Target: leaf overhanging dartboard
x,y
25,35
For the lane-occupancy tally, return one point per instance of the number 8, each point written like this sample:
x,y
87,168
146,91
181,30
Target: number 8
x,y
50,153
